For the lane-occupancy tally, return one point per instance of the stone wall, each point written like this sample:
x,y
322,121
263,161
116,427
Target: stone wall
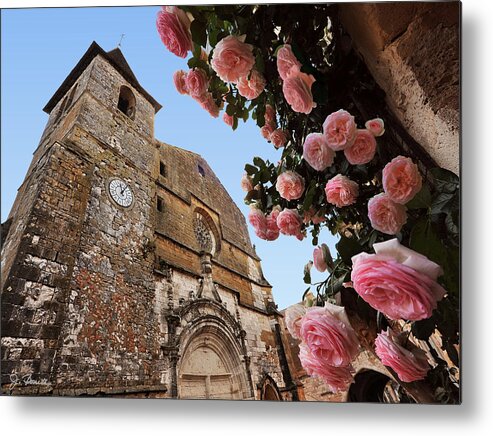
x,y
412,51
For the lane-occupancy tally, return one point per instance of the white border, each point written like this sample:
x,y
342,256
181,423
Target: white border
x,y
53,416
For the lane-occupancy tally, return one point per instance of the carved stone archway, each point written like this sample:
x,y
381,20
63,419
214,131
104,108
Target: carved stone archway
x,y
213,363
269,390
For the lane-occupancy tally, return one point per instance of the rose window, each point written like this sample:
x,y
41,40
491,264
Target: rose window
x,y
204,235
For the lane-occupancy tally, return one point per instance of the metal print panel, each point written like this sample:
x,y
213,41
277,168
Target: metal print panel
x,y
320,138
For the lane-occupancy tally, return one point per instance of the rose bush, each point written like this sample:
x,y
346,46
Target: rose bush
x,y
362,190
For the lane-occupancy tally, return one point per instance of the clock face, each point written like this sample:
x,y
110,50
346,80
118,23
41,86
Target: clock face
x,y
120,192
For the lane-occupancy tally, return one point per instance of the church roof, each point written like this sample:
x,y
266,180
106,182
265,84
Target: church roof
x,y
185,180
116,59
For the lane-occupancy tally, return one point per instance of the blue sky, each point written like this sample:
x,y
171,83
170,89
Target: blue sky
x,y
41,46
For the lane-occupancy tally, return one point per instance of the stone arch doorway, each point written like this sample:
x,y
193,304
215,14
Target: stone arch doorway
x,y
374,387
211,366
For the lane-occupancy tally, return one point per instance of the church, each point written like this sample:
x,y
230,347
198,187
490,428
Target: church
x,y
127,269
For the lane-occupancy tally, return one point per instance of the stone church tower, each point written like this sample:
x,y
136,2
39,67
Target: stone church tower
x,y
126,267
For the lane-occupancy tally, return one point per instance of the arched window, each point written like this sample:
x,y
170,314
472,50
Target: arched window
x,y
206,232
126,102
269,390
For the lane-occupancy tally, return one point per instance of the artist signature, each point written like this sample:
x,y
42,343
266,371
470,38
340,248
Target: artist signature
x,y
26,380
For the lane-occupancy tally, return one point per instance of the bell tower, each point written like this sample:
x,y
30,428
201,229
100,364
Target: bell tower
x,y
77,259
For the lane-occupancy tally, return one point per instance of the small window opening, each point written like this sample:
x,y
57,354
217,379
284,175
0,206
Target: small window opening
x,y
126,102
61,110
160,204
201,170
71,96
162,169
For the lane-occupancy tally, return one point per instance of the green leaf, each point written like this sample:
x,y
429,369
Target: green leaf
x,y
264,175
347,248
452,224
198,29
452,353
197,50
310,193
445,180
259,62
422,200
230,109
258,161
423,329
373,238
445,202
254,194
213,34
235,122
250,169
424,240
244,115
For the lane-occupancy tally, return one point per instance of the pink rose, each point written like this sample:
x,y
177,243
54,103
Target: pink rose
x,y
375,126
329,336
246,183
290,185
272,231
313,216
410,365
385,215
337,378
300,235
207,102
270,115
286,60
401,179
232,59
363,148
197,82
278,138
341,191
252,87
297,90
228,119
293,317
397,281
257,219
317,152
173,26
266,131
340,130
179,81
321,257
289,222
